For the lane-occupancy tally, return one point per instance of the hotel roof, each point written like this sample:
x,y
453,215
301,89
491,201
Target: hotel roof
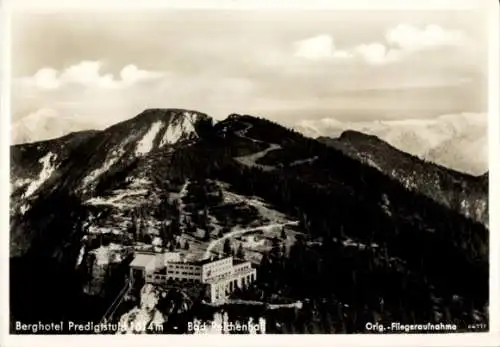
x,y
172,256
106,253
209,260
142,260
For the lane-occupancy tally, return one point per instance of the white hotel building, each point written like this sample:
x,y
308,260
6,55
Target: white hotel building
x,y
221,276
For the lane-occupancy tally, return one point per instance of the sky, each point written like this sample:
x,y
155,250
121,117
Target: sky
x,y
289,66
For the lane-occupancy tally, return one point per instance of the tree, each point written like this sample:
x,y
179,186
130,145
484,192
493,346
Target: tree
x,y
88,263
165,233
227,247
175,227
283,233
132,228
223,230
204,127
206,236
283,250
147,239
142,228
275,250
220,195
240,253
190,228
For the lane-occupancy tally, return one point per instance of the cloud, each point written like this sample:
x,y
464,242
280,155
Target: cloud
x,y
107,99
318,48
458,141
88,74
131,74
411,38
398,42
376,53
46,78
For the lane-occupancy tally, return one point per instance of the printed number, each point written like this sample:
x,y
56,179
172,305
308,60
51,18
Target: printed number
x,y
477,326
155,327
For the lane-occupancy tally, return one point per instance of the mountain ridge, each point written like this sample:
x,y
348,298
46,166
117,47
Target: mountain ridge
x,y
467,193
457,141
347,134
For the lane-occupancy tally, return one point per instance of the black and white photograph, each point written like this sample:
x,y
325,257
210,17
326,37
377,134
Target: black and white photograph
x,y
179,171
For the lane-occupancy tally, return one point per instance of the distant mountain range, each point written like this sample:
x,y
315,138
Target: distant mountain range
x,y
457,141
383,215
45,124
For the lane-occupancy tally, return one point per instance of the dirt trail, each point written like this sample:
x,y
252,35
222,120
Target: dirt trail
x,y
237,232
251,159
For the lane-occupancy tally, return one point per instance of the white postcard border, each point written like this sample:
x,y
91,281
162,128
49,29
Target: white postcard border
x,y
483,339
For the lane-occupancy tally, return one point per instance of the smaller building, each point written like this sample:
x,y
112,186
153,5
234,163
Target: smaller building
x,y
240,276
141,266
104,257
212,270
146,265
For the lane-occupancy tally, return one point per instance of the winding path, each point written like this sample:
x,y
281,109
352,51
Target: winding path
x,y
237,232
251,159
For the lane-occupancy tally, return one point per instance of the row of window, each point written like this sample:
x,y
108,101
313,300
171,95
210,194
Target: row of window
x,y
231,284
220,263
242,268
164,278
188,267
217,276
183,273
224,289
177,269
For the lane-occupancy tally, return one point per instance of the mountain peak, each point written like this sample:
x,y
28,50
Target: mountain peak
x,y
357,135
174,114
173,122
234,116
168,111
